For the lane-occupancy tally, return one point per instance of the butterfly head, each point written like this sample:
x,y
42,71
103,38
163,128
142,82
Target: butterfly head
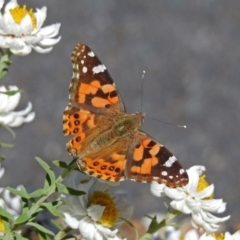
x,y
139,117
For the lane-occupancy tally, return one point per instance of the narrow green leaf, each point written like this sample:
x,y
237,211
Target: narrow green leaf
x,y
37,193
5,214
19,236
57,224
6,145
67,190
20,192
52,207
40,228
46,183
11,93
47,168
60,164
23,218
9,130
146,236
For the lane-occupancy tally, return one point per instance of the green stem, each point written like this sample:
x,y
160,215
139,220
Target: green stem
x,y
52,188
62,234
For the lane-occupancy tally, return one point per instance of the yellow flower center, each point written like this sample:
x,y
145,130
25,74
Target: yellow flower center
x,y
221,236
110,212
2,228
18,13
202,184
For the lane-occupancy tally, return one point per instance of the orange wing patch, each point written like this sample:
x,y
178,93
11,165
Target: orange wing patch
x,y
107,167
81,123
151,161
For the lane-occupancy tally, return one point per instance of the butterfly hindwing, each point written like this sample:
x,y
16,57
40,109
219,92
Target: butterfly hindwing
x,y
150,161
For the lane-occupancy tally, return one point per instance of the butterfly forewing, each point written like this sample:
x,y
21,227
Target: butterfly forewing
x,y
92,86
106,140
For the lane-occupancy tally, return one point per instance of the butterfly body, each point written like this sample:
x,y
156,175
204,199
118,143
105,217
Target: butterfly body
x,y
107,140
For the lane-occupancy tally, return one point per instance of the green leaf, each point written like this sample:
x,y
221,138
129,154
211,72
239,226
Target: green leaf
x,y
57,224
9,130
60,164
37,193
40,228
11,93
23,218
52,207
47,168
5,214
6,145
44,236
19,236
154,225
2,158
67,190
146,236
22,192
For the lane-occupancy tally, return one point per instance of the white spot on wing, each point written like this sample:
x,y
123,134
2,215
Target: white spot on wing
x,y
170,161
91,54
82,61
98,69
164,173
171,177
84,69
181,171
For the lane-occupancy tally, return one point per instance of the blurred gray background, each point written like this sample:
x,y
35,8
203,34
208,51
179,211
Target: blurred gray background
x,y
190,50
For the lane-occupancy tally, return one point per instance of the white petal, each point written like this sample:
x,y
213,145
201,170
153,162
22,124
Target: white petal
x,y
191,235
48,42
7,119
87,229
50,31
1,4
40,15
157,189
181,206
26,25
205,236
8,103
11,4
25,50
95,212
2,170
42,50
71,221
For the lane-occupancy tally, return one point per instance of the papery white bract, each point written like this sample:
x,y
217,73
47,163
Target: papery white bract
x,y
96,214
10,204
190,200
8,103
21,29
225,236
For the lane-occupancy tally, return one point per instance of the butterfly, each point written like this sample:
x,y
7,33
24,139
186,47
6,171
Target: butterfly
x,y
106,140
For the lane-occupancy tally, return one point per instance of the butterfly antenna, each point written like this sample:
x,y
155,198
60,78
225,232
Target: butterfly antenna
x,y
172,124
143,75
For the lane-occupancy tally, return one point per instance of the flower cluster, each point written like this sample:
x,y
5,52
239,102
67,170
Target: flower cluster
x,y
196,198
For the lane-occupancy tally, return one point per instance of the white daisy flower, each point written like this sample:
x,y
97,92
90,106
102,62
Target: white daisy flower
x,y
21,29
96,214
196,198
223,236
8,103
11,204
